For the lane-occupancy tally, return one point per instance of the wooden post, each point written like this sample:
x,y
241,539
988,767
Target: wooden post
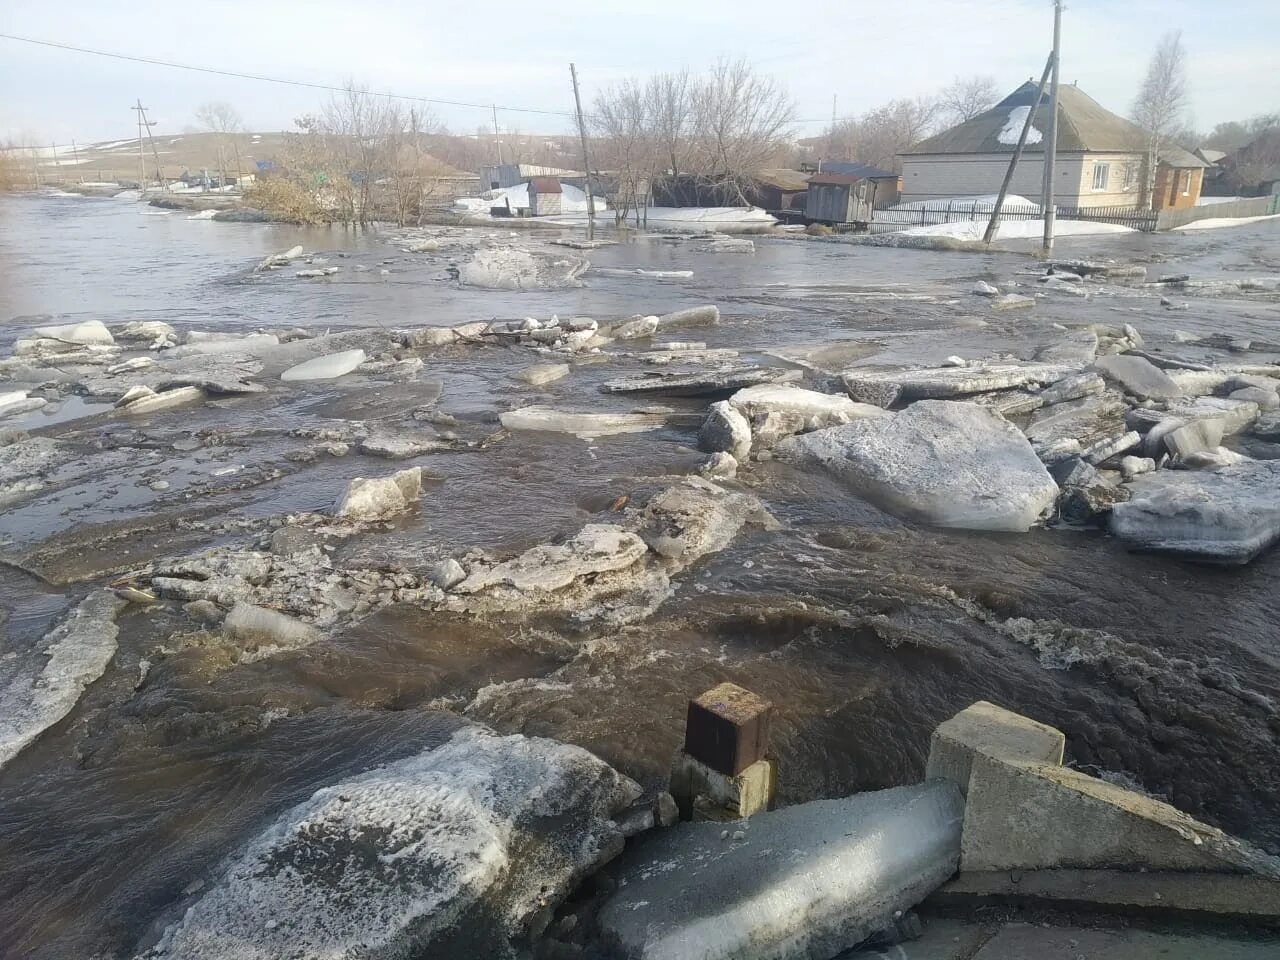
x,y
586,162
1017,153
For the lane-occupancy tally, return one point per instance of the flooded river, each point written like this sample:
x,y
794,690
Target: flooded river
x,y
864,630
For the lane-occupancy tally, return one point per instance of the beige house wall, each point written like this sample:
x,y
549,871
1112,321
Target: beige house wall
x,y
942,176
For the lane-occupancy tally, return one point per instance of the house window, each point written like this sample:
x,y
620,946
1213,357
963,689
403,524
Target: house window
x,y
1129,183
1101,171
1186,184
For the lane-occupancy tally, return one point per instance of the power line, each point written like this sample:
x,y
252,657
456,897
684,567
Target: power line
x,y
251,76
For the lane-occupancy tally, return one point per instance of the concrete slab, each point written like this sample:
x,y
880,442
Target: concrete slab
x,y
943,939
1252,900
993,731
1020,941
1035,816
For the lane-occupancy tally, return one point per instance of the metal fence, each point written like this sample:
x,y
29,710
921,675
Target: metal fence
x,y
934,213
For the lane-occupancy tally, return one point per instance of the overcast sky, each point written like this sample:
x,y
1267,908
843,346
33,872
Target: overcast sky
x,y
863,54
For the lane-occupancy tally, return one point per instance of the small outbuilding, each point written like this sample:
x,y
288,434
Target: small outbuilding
x,y
849,197
546,197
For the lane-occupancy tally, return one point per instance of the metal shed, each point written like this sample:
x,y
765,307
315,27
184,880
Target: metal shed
x,y
546,197
840,198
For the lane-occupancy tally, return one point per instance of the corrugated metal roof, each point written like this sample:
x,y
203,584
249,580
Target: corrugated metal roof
x,y
1174,156
859,170
1084,126
545,185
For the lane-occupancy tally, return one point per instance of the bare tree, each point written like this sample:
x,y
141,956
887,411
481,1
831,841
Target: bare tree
x,y
626,142
669,105
741,122
966,97
223,120
364,157
880,135
1160,107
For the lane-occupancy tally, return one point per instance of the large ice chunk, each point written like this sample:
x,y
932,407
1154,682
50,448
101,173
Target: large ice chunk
x,y
328,367
818,409
1225,516
89,332
77,652
803,883
946,463
940,383
451,852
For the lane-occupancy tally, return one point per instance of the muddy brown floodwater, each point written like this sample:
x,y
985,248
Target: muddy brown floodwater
x,y
864,630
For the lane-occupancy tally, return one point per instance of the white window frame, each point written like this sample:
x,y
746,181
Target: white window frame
x,y
1101,171
1186,183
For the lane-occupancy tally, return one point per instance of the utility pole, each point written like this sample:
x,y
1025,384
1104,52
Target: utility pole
x,y
154,152
1048,208
1017,153
586,162
497,137
142,160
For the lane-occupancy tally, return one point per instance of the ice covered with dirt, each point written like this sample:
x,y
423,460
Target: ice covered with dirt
x,y
460,850
939,461
36,695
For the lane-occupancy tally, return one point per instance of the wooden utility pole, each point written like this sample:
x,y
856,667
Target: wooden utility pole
x,y
1017,153
586,162
497,137
1048,208
142,160
154,152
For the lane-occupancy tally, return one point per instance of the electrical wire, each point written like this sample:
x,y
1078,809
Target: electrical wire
x,y
153,61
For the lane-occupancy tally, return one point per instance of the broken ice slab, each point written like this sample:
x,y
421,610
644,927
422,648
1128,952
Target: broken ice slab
x,y
1139,377
459,850
701,384
327,367
947,463
1224,516
803,883
941,383
582,425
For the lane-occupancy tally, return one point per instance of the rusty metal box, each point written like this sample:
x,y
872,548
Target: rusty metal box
x,y
728,728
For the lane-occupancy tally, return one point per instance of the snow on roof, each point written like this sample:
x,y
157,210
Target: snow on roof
x,y
1012,128
1084,126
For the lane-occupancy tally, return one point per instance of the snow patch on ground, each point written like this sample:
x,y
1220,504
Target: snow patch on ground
x,y
1217,223
1013,128
1015,229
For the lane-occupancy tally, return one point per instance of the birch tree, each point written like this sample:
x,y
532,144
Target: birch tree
x,y
1160,107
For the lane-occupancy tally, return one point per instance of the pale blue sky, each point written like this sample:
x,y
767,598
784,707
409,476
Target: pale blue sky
x,y
863,54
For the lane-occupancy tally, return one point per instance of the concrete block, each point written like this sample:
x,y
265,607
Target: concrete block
x,y
728,728
1154,893
1036,816
984,728
803,883
704,793
1019,941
